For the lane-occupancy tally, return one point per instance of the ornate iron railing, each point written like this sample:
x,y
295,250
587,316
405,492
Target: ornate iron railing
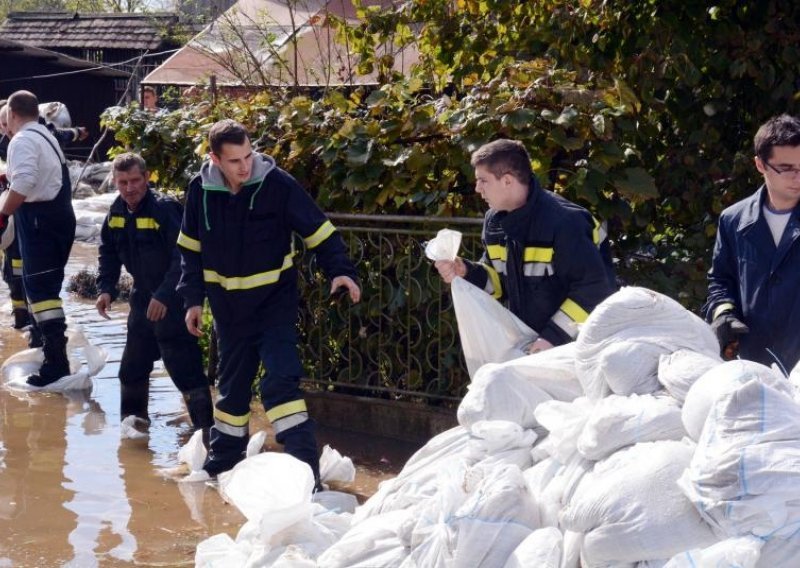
x,y
401,341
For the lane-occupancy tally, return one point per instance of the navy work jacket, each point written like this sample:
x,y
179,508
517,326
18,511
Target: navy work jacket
x,y
761,281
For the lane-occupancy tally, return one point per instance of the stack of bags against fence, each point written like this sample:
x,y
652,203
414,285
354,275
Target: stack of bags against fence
x,y
620,344
489,332
273,491
85,361
630,509
744,477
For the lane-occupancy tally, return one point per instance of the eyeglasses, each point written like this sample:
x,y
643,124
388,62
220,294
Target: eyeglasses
x,y
787,171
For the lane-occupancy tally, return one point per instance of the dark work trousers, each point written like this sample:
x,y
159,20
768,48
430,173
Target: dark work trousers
x,y
281,396
45,230
168,340
12,275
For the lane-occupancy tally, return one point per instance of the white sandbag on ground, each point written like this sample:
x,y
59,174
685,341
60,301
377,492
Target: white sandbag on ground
x,y
477,519
744,477
719,381
333,466
619,345
417,480
499,442
85,361
564,422
369,544
619,421
678,371
542,549
630,508
738,552
512,390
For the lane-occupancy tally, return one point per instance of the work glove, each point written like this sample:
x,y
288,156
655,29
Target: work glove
x,y
728,328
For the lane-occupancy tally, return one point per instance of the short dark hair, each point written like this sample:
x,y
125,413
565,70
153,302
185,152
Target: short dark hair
x,y
782,130
226,131
24,104
127,161
502,157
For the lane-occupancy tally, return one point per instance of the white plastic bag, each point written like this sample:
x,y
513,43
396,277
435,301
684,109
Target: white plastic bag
x,y
738,552
489,332
542,549
678,371
335,467
193,453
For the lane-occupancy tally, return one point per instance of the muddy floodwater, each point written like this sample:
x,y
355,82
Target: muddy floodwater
x,y
72,493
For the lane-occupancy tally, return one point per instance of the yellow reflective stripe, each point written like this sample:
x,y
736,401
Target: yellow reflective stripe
x,y
496,252
325,230
46,305
188,242
230,418
574,311
596,231
16,304
538,254
286,409
116,222
722,308
248,282
497,288
146,223
16,263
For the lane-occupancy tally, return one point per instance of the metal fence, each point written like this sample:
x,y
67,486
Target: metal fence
x,y
401,341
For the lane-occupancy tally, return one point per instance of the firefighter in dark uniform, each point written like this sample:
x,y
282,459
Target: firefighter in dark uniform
x,y
547,258
140,232
40,198
236,244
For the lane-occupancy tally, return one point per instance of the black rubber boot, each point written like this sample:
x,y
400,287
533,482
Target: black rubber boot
x,y
22,318
134,399
35,338
200,407
56,364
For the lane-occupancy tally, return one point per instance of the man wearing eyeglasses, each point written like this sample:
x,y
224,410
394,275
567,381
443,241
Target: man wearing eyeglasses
x,y
753,301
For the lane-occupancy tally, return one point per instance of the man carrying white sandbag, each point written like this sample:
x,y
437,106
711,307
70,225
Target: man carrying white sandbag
x,y
752,293
548,259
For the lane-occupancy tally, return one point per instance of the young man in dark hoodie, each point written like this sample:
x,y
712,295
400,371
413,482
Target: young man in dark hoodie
x,y
547,258
237,249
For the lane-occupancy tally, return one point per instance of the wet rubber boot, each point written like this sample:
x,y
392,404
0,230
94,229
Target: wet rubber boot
x,y
201,408
56,364
35,338
134,398
22,318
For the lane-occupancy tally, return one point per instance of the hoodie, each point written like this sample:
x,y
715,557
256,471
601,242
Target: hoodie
x,y
238,250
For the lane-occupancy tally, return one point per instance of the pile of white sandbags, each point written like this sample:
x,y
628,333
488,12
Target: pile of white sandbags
x,y
634,447
90,214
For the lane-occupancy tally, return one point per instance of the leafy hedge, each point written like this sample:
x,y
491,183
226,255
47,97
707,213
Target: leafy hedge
x,y
642,111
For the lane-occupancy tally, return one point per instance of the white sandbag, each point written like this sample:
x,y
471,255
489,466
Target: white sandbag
x,y
479,518
497,442
537,479
719,381
336,501
273,506
85,361
678,371
369,544
619,345
560,490
542,549
489,332
293,557
133,427
417,480
619,421
573,542
737,552
512,390
744,477
564,422
193,453
630,509
55,113
335,467
220,551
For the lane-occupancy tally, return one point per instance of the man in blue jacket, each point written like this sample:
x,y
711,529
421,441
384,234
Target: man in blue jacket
x,y
141,233
237,247
753,303
545,257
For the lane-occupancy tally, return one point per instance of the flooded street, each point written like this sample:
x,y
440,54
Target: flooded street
x,y
72,493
